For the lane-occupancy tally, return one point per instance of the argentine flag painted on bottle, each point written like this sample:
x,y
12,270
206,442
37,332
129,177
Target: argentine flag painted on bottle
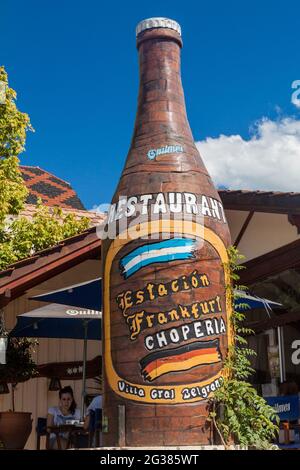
x,y
161,252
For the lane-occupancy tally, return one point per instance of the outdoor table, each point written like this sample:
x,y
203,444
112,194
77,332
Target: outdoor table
x,y
71,429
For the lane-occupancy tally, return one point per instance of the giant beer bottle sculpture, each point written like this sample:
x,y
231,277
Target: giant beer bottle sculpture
x,y
166,315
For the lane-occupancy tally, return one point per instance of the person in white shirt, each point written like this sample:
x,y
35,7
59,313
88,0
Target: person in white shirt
x,y
58,415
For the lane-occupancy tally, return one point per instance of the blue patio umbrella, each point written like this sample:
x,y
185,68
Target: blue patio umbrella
x,y
86,295
253,302
61,321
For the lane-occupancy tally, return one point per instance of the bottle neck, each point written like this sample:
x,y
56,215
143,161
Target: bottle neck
x,y
161,105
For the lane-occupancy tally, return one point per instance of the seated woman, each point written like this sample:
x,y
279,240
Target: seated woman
x,y
59,415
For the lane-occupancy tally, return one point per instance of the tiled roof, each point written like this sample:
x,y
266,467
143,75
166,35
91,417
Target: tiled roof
x,y
29,272
257,192
95,217
263,201
52,190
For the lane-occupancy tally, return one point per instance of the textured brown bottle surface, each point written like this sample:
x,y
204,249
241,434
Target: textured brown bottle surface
x,y
166,314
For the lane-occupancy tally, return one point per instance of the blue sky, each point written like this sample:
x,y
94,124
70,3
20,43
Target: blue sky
x,y
74,66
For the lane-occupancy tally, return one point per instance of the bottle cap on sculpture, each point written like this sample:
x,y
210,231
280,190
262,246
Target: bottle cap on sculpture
x,y
151,23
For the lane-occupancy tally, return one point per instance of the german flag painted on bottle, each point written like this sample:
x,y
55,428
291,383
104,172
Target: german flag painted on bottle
x,y
166,311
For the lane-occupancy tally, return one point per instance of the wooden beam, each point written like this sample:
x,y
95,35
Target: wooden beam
x,y
26,278
274,262
278,320
244,228
294,219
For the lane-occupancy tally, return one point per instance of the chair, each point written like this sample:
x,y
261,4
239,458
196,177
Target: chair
x,y
289,435
91,427
41,430
78,439
98,426
95,427
288,409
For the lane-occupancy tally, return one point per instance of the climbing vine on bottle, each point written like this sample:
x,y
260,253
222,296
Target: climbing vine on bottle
x,y
239,415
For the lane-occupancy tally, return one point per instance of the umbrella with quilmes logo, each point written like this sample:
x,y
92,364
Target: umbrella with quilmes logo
x,y
61,321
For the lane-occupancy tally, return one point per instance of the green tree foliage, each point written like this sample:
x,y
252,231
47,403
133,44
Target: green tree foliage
x,y
23,237
20,365
13,127
13,123
238,413
20,237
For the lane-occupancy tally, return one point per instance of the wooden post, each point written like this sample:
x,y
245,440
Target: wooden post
x,y
122,426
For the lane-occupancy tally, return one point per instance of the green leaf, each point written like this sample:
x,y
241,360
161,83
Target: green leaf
x,y
246,418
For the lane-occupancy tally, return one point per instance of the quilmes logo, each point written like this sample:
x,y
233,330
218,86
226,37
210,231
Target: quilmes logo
x,y
74,312
163,150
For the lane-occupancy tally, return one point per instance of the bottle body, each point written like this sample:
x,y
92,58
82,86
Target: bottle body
x,y
166,329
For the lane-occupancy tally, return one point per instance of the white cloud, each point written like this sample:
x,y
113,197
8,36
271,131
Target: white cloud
x,y
269,160
100,208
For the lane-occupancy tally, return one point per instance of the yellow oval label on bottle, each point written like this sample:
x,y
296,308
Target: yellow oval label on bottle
x,y
156,347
